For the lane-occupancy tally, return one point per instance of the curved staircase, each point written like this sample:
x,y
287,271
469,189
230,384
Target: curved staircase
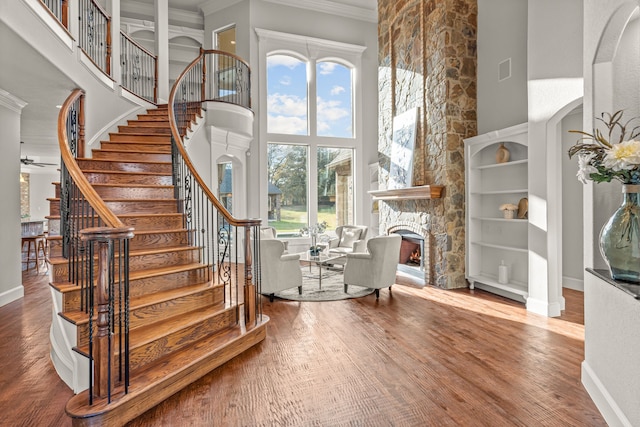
x,y
183,321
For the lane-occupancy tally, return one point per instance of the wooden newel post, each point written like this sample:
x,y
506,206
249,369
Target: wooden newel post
x,y
103,349
249,286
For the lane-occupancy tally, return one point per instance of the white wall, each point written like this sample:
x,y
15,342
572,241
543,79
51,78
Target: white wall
x,y
572,223
10,262
40,189
554,64
502,35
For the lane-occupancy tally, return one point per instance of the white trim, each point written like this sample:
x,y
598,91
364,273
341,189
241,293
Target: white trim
x,y
131,26
140,8
544,307
333,8
307,44
98,136
607,406
52,24
573,283
11,295
12,102
98,73
213,6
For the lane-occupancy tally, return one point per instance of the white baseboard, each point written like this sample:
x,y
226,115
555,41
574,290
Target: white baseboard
x,y
544,308
603,400
11,295
573,283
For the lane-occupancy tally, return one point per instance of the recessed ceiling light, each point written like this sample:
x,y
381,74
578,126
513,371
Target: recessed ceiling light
x,y
58,106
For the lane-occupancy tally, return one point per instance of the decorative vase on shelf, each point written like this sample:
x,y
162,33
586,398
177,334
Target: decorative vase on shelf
x,y
502,154
620,238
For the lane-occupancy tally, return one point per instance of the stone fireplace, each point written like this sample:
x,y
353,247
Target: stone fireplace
x,y
427,59
414,251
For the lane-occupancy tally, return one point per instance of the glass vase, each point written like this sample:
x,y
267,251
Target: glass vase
x,y
620,238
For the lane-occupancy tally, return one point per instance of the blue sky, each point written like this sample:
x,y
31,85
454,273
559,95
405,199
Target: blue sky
x,y
287,97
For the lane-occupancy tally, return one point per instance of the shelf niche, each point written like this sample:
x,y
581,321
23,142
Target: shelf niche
x,y
420,192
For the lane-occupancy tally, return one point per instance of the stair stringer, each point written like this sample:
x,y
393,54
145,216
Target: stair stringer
x,y
72,367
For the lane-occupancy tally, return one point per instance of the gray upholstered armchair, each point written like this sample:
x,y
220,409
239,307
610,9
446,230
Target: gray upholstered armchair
x,y
375,268
349,238
278,270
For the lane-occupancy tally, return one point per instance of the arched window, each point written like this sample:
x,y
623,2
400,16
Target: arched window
x,y
310,117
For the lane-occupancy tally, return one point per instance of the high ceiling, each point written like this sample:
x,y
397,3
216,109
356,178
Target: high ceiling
x,y
39,117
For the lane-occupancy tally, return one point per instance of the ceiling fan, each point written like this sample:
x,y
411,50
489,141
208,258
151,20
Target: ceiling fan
x,y
30,162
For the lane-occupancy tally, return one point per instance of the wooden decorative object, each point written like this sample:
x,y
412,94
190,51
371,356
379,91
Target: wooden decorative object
x,y
502,154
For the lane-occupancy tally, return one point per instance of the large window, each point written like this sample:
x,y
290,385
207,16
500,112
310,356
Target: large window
x,y
311,130
291,169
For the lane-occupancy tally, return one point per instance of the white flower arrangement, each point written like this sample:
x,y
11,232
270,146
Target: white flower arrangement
x,y
602,160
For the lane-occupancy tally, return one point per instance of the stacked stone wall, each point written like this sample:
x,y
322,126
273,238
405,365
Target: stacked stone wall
x,y
427,59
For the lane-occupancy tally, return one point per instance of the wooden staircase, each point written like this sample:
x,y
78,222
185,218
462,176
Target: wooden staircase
x,y
181,325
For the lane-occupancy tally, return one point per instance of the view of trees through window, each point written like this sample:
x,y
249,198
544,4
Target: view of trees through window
x,y
295,129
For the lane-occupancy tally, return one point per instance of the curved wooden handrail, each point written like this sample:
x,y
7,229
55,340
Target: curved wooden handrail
x,y
180,144
138,45
94,200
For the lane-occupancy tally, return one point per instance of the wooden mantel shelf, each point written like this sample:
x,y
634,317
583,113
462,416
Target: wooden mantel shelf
x,y
421,192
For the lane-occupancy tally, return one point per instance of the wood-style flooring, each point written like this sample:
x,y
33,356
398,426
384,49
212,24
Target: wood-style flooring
x,y
416,357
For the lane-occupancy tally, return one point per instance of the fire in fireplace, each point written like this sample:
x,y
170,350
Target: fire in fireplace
x,y
411,250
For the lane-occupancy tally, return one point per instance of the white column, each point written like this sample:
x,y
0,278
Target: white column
x,y
162,48
113,8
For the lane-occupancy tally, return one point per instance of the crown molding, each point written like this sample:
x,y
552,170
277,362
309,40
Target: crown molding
x,y
213,6
136,7
334,8
12,102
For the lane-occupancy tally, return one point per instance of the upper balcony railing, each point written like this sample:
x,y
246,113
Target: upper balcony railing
x,y
139,69
59,9
95,34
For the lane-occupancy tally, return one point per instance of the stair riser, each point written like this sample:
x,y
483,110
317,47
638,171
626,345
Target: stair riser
x,y
159,240
153,117
60,272
125,156
123,137
95,165
153,351
127,178
146,285
136,147
144,130
135,192
144,316
149,123
155,222
142,206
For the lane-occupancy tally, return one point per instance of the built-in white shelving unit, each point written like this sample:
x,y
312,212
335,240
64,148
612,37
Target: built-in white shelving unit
x,y
490,238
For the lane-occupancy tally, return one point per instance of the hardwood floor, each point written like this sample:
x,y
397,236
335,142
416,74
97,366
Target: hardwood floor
x,y
417,357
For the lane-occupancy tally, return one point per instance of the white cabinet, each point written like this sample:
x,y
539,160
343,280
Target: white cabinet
x,y
491,238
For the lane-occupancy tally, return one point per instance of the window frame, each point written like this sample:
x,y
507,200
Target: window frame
x,y
311,50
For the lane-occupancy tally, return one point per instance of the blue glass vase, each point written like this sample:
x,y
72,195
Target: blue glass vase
x,y
620,238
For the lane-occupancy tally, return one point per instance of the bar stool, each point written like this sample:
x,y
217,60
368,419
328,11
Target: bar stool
x,y
35,244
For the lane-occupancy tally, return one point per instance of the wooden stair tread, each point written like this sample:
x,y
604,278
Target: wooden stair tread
x,y
158,381
114,151
121,161
135,275
78,317
139,337
124,172
119,185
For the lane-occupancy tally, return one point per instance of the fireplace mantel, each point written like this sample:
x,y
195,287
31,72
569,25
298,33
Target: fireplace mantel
x,y
421,192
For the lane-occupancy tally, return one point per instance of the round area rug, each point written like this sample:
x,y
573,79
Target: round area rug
x,y
332,287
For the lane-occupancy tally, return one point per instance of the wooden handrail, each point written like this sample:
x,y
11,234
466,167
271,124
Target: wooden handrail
x,y
138,45
94,200
176,135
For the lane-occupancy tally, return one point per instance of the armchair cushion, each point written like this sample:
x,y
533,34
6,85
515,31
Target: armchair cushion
x,y
349,237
